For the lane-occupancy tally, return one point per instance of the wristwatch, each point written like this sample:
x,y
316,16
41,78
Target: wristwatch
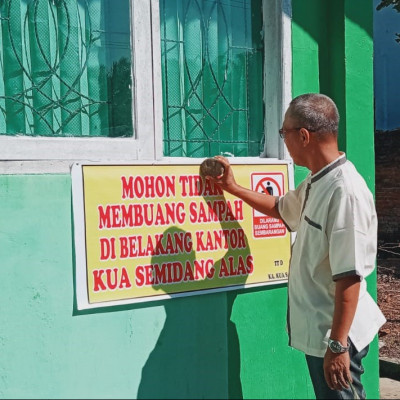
x,y
336,346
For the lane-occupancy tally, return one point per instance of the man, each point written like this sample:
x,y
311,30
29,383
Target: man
x,y
331,316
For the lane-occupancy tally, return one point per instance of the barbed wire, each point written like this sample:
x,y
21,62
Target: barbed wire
x,y
386,246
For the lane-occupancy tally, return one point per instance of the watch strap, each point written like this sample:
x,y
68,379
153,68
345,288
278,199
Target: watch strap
x,y
336,346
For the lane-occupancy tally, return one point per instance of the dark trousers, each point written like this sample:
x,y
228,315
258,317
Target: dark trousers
x,y
321,388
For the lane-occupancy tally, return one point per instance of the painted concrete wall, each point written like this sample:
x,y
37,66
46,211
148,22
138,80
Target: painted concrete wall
x,y
332,54
387,67
192,347
225,345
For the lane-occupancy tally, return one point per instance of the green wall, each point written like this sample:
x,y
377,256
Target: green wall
x,y
332,54
211,346
224,345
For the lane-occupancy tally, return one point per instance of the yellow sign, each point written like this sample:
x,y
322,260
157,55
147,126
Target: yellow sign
x,y
146,232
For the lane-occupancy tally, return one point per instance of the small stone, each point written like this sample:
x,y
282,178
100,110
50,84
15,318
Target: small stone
x,y
211,167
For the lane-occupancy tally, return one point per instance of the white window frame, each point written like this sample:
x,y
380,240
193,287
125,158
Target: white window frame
x,y
23,154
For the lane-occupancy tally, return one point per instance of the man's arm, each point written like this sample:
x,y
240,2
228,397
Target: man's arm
x,y
259,201
337,366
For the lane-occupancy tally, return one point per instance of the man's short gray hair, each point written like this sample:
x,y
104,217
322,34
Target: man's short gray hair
x,y
315,112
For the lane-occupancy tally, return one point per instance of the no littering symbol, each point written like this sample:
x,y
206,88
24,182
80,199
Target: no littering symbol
x,y
270,183
269,186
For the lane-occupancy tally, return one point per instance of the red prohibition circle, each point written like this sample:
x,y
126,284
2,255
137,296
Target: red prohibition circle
x,y
260,185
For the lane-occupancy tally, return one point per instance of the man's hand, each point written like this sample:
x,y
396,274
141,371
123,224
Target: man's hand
x,y
337,365
259,201
226,181
337,370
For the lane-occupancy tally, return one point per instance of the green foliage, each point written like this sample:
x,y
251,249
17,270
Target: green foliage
x,y
386,3
396,5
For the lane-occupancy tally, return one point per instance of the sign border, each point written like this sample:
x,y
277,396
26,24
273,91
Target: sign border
x,y
79,229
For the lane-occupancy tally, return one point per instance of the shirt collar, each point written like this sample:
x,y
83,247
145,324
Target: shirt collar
x,y
335,163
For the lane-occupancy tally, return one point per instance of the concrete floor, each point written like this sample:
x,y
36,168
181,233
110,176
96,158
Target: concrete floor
x,y
389,388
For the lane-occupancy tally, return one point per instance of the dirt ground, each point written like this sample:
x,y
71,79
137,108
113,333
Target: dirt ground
x,y
389,302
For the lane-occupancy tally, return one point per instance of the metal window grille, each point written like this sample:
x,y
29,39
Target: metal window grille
x,y
65,68
212,70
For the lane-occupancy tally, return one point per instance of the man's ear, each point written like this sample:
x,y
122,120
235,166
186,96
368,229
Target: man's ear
x,y
304,136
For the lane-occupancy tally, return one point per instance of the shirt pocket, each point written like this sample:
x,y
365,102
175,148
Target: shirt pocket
x,y
312,223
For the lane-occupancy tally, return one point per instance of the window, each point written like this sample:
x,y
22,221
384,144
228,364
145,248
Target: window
x,y
66,87
66,69
212,60
122,80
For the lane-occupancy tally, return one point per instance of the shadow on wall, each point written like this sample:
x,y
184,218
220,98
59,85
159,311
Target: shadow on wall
x,y
197,354
190,357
